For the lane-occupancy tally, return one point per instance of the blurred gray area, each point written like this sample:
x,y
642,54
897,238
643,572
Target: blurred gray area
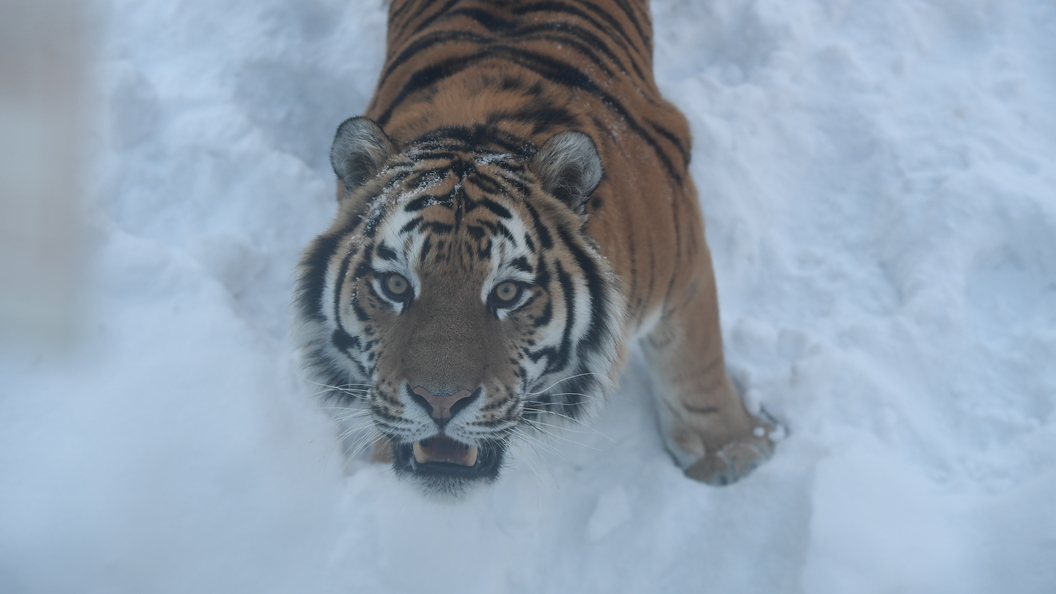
x,y
42,74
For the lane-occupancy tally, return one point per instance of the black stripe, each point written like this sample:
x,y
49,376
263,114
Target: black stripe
x,y
611,20
411,226
496,208
545,317
485,183
503,231
372,224
531,299
339,284
364,268
477,138
497,404
427,42
647,39
633,257
549,352
331,373
570,42
433,173
552,69
495,423
315,262
361,314
387,253
344,341
427,245
598,301
427,200
482,17
677,259
542,275
587,37
675,140
310,286
380,414
427,76
544,235
568,289
573,390
427,21
652,270
562,73
395,13
418,155
543,118
438,228
521,263
623,43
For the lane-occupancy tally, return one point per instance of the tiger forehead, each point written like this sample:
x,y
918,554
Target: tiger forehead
x,y
483,172
447,211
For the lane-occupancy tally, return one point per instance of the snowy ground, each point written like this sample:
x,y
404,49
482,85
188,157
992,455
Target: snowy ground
x,y
880,186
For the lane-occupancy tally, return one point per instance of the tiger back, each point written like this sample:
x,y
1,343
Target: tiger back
x,y
515,208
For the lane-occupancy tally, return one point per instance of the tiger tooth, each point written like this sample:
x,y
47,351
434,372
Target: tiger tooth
x,y
471,456
419,453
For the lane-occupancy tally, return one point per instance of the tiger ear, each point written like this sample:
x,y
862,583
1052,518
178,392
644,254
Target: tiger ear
x,y
360,150
570,168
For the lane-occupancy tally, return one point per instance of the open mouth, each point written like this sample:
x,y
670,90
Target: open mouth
x,y
440,457
441,450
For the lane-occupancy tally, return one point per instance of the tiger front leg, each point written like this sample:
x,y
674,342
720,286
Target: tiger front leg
x,y
705,424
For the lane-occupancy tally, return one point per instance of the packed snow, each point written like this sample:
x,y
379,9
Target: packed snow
x,y
879,182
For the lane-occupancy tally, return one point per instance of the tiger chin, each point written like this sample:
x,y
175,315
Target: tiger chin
x,y
514,209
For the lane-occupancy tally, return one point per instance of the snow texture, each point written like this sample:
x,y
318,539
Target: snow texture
x,y
879,182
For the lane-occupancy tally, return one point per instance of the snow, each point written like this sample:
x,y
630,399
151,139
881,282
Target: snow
x,y
878,179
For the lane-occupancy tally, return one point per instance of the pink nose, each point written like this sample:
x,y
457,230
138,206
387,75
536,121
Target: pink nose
x,y
440,407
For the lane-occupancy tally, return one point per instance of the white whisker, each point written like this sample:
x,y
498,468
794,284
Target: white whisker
x,y
520,432
586,428
540,428
571,377
526,456
370,440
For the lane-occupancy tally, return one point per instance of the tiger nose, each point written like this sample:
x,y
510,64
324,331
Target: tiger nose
x,y
443,406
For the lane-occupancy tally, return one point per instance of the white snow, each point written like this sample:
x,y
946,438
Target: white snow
x,y
880,187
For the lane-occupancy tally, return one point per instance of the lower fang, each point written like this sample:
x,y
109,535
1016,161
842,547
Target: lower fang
x,y
419,453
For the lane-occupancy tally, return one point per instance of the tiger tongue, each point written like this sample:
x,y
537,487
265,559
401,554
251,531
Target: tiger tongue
x,y
442,449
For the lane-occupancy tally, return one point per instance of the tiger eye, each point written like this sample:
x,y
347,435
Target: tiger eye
x,y
507,292
396,285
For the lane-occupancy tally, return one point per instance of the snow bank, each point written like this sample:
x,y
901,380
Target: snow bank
x,y
878,180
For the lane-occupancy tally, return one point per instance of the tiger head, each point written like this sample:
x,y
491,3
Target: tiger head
x,y
457,295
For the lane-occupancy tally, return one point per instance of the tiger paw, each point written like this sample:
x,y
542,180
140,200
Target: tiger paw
x,y
736,459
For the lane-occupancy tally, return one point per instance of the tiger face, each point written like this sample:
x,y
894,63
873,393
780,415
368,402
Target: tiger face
x,y
457,295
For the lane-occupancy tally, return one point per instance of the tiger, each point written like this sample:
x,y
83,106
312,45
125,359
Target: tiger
x,y
514,211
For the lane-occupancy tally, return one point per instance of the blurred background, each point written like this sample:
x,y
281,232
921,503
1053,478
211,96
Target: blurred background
x,y
45,52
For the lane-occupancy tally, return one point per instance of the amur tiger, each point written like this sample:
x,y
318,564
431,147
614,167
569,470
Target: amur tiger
x,y
513,209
